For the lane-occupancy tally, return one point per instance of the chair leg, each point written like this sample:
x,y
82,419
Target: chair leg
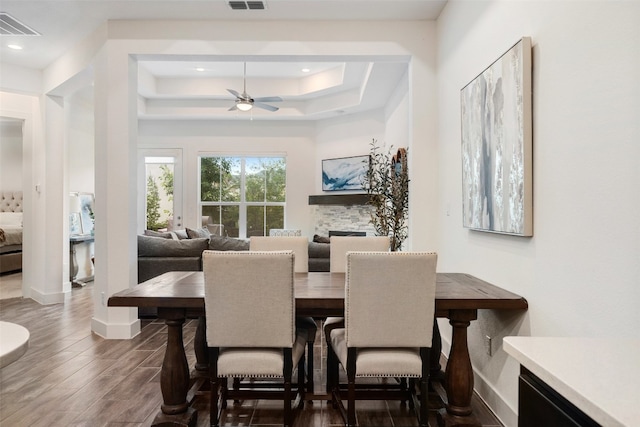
x,y
351,402
301,375
424,402
214,381
310,384
332,374
425,354
351,391
288,368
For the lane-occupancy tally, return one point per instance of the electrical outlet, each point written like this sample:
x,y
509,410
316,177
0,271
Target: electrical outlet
x,y
104,299
487,345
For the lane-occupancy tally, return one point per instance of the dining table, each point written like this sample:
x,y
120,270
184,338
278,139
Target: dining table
x,y
179,295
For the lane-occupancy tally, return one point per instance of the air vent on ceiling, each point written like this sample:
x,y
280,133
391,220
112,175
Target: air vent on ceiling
x,y
10,26
244,5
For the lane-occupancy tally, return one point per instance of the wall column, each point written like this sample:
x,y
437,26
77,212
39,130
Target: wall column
x,y
116,132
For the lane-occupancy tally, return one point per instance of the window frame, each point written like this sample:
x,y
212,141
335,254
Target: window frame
x,y
242,204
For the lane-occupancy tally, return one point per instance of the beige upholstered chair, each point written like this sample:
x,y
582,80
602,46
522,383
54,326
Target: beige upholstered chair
x,y
340,245
298,244
389,314
250,330
300,247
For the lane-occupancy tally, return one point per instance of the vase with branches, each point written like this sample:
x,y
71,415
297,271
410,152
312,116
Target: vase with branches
x,y
388,189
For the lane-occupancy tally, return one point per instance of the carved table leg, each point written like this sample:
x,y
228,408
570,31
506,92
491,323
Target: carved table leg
x,y
174,377
459,373
200,346
435,370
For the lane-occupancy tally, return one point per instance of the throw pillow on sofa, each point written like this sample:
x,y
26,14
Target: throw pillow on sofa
x,y
199,233
321,239
160,247
163,234
217,243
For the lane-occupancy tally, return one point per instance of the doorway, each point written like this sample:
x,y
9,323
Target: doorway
x,y
160,182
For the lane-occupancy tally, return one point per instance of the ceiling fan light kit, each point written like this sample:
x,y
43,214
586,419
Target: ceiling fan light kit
x,y
244,102
244,105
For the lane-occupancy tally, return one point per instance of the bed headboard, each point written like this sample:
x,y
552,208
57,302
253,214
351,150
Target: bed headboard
x,y
10,201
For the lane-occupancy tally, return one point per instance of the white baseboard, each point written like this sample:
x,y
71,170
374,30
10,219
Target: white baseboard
x,y
121,331
46,299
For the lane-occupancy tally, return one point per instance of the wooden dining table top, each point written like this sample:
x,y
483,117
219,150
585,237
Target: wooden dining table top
x,y
323,292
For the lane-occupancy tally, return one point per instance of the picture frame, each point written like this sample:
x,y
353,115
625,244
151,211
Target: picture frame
x,y
345,173
496,134
75,227
86,212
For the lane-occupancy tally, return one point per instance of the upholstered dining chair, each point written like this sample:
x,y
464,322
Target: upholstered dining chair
x,y
250,329
389,315
300,247
340,245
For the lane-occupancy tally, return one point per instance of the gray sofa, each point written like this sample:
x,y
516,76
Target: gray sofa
x,y
159,254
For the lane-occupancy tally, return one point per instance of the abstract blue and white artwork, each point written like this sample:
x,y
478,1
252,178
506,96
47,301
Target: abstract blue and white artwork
x,y
497,146
346,173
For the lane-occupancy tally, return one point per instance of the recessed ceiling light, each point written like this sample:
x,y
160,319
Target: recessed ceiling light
x,y
199,69
306,70
14,46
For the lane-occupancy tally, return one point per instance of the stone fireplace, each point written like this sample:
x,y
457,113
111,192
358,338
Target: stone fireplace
x,y
332,215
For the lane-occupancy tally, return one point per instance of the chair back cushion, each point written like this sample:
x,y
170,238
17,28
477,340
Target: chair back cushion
x,y
249,300
340,245
299,246
390,299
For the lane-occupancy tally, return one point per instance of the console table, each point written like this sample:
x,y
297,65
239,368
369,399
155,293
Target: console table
x,y
73,265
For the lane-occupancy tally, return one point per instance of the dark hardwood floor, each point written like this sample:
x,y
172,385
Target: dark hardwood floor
x,y
71,377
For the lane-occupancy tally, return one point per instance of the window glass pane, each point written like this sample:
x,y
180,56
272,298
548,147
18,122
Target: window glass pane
x,y
262,179
210,179
275,171
231,171
231,220
255,221
254,180
275,217
212,212
159,197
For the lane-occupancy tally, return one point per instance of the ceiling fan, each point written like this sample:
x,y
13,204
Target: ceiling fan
x,y
244,102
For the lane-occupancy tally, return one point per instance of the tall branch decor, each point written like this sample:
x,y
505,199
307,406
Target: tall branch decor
x,y
388,190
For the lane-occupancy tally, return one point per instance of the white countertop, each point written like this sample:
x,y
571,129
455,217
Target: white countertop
x,y
14,341
600,376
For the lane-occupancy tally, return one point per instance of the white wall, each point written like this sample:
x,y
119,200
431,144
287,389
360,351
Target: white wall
x,y
81,163
28,110
291,139
580,271
20,80
11,155
346,136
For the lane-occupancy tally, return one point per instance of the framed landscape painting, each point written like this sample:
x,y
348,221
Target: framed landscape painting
x,y
497,146
345,173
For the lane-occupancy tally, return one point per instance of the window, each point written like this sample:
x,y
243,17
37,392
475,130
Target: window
x,y
246,194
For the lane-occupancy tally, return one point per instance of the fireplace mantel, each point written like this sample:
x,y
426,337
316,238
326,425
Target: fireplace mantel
x,y
339,199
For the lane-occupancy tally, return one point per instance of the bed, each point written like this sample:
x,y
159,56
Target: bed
x,y
10,231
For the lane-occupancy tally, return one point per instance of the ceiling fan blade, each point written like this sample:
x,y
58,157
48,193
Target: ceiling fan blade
x,y
234,93
265,106
268,99
235,107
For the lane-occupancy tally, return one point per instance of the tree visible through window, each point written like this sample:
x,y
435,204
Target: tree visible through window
x,y
246,194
